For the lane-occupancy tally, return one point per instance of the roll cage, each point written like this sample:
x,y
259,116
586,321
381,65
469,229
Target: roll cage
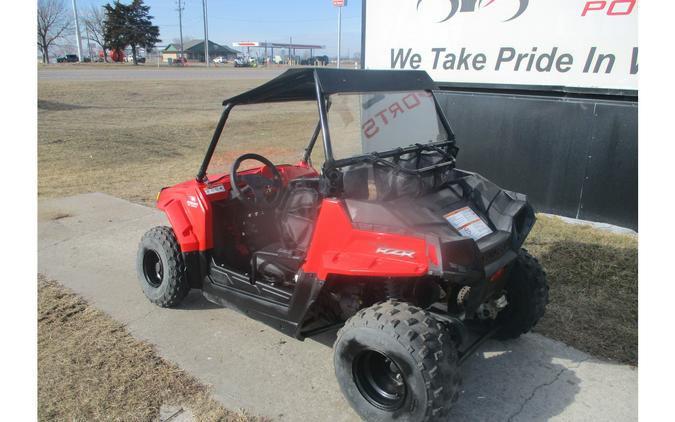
x,y
318,84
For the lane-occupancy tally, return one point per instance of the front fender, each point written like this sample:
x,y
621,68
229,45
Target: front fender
x,y
182,227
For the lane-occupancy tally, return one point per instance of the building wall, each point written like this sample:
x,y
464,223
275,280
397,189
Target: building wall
x,y
169,55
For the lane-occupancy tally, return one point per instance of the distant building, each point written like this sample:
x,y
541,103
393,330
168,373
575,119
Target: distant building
x,y
194,50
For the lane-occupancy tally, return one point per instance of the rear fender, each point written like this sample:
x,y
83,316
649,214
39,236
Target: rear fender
x,y
338,248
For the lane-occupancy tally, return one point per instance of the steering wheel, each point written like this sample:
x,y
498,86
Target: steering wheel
x,y
255,190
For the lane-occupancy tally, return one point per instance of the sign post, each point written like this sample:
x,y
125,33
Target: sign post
x,y
339,4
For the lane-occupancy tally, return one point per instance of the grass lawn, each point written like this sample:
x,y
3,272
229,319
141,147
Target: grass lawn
x,y
130,139
90,368
594,287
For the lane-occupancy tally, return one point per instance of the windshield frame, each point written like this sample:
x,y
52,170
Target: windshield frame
x,y
323,104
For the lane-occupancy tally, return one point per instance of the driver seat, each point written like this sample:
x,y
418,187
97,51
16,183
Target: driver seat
x,y
297,216
278,262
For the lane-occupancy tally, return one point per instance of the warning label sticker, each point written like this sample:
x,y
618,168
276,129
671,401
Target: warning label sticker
x,y
468,223
215,189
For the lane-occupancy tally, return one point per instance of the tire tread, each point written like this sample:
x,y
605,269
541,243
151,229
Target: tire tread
x,y
528,294
428,344
175,275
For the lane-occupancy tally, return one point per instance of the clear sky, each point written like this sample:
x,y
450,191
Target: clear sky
x,y
307,21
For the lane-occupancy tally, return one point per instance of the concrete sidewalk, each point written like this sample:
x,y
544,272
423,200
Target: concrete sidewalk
x,y
88,243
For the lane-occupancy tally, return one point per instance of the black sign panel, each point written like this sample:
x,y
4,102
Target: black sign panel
x,y
575,156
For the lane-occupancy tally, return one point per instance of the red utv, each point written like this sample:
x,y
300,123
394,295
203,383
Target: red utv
x,y
388,240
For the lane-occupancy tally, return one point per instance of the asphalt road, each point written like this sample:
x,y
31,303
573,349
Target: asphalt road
x,y
91,249
148,72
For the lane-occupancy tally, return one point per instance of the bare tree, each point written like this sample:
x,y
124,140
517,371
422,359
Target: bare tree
x,y
94,21
54,23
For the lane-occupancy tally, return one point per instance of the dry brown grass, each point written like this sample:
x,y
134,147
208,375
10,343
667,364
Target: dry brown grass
x,y
90,368
130,139
594,287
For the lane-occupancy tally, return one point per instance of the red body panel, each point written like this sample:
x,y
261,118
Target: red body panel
x,y
339,248
336,246
189,210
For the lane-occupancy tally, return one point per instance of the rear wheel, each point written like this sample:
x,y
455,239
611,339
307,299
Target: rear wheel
x,y
394,361
527,295
160,267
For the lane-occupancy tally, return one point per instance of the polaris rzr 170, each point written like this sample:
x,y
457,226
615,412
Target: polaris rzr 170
x,y
387,240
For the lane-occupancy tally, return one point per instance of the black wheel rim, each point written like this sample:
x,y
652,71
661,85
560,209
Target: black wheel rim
x,y
153,270
380,380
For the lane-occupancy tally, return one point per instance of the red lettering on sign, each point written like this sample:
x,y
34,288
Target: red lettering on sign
x,y
370,128
593,5
394,109
616,7
383,117
629,3
408,105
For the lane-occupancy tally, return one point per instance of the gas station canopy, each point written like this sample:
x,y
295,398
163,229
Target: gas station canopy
x,y
290,45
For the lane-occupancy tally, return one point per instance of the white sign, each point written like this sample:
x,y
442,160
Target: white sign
x,y
467,223
339,3
573,43
246,44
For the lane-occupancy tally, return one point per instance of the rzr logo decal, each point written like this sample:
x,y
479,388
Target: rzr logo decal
x,y
470,6
396,252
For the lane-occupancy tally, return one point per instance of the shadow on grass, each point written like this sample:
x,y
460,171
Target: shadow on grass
x,y
57,106
593,297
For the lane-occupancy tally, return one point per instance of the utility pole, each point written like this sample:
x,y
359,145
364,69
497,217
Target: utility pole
x,y
339,34
339,4
206,34
77,32
180,25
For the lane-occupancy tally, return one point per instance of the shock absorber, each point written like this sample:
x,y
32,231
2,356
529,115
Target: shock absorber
x,y
393,289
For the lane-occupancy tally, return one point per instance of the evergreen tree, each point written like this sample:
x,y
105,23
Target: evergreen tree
x,y
142,33
114,31
130,26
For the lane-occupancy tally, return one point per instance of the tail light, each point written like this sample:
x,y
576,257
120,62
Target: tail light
x,y
498,274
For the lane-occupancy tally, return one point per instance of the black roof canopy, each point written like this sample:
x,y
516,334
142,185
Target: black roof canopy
x,y
299,84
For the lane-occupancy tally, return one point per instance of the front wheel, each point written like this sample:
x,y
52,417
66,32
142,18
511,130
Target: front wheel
x,y
394,361
161,269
